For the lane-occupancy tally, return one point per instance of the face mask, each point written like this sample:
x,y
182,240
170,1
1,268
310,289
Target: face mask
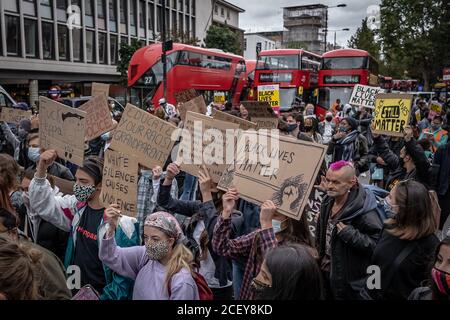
x,y
105,136
309,112
260,288
329,119
291,127
442,281
33,154
276,225
307,129
83,193
435,127
156,250
343,129
389,210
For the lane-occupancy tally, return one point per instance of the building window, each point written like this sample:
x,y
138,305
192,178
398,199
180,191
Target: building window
x,y
180,5
46,9
187,29
193,7
228,14
48,41
180,24
245,44
222,12
30,29
63,43
77,45
159,19
167,20
61,6
174,21
187,6
193,27
29,7
11,5
216,9
102,54
123,11
90,46
113,49
124,39
89,13
142,14
12,35
101,9
133,17
151,17
174,4
112,15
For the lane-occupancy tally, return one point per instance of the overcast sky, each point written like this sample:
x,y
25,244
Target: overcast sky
x,y
267,15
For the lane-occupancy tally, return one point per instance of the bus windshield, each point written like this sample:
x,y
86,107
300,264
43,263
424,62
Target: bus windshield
x,y
277,62
344,63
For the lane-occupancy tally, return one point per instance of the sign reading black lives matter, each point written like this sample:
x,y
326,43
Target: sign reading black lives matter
x,y
391,114
284,174
143,135
364,96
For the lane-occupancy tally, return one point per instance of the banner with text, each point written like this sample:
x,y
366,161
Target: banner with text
x,y
195,105
99,119
243,124
391,114
270,94
14,115
364,96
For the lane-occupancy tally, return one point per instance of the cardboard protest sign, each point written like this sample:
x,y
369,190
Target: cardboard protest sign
x,y
391,114
270,94
201,144
14,115
243,124
62,128
287,179
143,135
120,182
99,119
258,109
195,105
364,96
219,97
436,107
185,96
266,123
64,186
99,89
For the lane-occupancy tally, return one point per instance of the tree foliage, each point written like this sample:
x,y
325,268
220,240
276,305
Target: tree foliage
x,y
296,45
126,51
221,37
364,39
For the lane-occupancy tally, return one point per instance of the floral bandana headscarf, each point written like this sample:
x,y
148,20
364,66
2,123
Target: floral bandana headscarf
x,y
166,223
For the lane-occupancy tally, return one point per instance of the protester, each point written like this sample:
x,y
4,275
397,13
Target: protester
x,y
349,145
441,162
292,127
289,272
439,285
82,215
435,134
18,280
407,243
214,268
335,108
8,181
243,113
275,229
309,110
161,268
18,142
382,158
347,231
364,119
168,108
50,273
327,128
55,169
311,129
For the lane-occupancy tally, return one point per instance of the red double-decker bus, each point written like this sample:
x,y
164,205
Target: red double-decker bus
x,y
340,71
188,67
294,70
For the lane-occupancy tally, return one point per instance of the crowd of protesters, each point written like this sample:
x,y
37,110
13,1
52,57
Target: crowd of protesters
x,y
191,241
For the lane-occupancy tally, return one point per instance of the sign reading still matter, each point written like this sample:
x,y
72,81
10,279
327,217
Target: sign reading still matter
x,y
391,114
288,182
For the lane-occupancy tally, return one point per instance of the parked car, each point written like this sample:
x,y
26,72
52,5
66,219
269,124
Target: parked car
x,y
5,99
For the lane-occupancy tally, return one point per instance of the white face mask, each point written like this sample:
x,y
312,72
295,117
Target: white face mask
x,y
276,225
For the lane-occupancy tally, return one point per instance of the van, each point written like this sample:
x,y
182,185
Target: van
x,y
5,99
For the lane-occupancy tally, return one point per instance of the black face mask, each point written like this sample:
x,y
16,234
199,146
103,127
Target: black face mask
x,y
307,129
329,119
401,162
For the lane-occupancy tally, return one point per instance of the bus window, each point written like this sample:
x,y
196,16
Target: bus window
x,y
278,62
344,63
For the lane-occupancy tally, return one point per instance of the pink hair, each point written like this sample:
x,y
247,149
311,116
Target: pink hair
x,y
340,164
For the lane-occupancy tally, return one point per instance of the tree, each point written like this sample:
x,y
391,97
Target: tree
x,y
296,45
364,39
221,37
126,51
181,37
415,38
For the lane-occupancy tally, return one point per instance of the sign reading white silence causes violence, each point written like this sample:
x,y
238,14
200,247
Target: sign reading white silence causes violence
x,y
120,182
141,134
258,181
62,128
364,96
99,119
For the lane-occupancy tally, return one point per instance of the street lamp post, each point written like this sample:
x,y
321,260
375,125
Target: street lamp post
x,y
342,5
335,31
164,54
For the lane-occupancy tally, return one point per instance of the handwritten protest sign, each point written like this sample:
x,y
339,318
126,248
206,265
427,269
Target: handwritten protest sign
x,y
204,142
120,182
243,124
64,186
143,135
185,96
436,107
14,115
258,109
195,105
99,119
99,89
270,94
266,123
287,182
62,128
364,96
219,97
312,209
391,114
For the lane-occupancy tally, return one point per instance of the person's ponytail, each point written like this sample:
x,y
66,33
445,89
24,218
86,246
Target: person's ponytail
x,y
181,258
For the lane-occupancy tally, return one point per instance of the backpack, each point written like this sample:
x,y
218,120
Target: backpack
x,y
204,291
379,194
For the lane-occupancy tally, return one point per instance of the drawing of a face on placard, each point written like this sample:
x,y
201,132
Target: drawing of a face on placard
x,y
73,126
291,193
